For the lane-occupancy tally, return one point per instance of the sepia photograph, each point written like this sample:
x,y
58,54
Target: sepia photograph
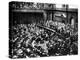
x,y
42,30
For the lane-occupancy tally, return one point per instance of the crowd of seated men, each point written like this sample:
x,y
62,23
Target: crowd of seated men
x,y
38,40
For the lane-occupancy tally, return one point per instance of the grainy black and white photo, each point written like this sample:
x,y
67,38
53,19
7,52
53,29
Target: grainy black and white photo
x,y
42,30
